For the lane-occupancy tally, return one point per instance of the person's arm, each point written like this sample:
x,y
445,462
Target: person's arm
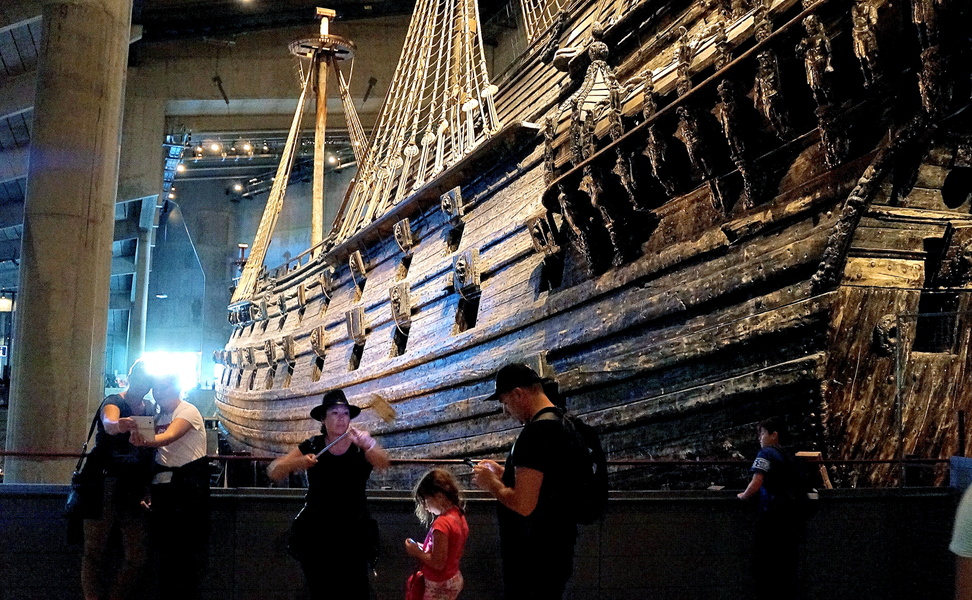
x,y
375,454
963,578
176,429
114,423
753,488
436,558
280,468
521,498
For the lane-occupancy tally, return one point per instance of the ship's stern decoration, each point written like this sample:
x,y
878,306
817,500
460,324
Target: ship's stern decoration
x,y
465,273
401,305
357,328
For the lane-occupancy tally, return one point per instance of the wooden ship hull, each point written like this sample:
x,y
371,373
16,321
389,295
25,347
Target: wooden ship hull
x,y
689,224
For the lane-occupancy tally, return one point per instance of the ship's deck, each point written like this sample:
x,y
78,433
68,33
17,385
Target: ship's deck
x,y
885,543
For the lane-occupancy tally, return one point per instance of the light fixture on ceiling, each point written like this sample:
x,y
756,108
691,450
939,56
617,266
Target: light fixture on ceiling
x,y
180,168
162,296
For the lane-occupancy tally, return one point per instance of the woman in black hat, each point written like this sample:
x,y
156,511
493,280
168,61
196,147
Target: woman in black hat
x,y
333,536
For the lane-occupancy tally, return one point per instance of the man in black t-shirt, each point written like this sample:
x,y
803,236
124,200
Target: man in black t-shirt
x,y
537,530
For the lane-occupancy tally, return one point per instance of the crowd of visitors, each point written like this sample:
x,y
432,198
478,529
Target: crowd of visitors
x,y
154,492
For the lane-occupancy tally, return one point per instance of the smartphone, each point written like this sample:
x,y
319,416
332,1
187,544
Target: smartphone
x,y
146,427
469,462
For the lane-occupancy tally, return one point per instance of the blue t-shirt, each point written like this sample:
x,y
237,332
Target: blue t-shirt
x,y
779,478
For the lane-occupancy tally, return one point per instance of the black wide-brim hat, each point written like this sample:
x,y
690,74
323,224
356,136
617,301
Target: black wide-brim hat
x,y
333,398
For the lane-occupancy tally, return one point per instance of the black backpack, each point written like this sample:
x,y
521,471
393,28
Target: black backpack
x,y
590,477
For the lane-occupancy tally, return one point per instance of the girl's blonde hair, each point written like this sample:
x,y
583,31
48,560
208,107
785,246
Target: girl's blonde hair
x,y
434,482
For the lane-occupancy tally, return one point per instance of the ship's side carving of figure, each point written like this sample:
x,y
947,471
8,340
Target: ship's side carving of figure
x,y
334,528
864,16
691,133
925,16
656,146
768,89
816,52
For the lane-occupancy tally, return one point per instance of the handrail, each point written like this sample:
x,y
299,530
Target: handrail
x,y
610,462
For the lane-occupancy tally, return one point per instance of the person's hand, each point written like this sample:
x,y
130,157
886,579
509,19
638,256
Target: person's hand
x,y
126,424
362,439
135,437
306,461
146,503
742,496
412,548
487,474
493,466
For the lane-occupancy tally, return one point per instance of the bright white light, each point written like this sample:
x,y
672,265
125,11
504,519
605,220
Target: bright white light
x,y
247,148
180,168
183,364
331,159
218,372
237,187
6,304
214,147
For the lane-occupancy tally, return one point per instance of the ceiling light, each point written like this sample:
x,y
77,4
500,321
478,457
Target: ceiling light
x,y
214,147
180,168
331,159
237,187
247,148
172,196
162,296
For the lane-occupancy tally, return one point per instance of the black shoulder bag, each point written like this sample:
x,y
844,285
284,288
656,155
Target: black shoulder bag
x,y
85,482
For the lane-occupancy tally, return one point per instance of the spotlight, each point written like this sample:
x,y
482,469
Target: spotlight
x,y
172,196
237,187
214,147
180,168
247,148
332,159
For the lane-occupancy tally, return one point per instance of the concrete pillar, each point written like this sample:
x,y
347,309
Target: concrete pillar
x,y
58,370
140,289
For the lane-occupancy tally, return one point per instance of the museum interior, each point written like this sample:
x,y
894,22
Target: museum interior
x,y
685,216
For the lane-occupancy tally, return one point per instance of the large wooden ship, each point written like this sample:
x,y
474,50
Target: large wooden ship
x,y
693,214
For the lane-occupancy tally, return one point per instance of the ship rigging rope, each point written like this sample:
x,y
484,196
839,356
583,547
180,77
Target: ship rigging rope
x,y
439,107
254,264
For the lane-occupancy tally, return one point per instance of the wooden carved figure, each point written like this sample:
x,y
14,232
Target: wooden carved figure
x,y
656,146
864,16
769,96
816,52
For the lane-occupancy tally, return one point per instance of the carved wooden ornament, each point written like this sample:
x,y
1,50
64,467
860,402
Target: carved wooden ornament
x,y
357,328
287,348
317,341
357,265
543,233
302,295
270,351
401,304
326,280
403,236
451,203
465,272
